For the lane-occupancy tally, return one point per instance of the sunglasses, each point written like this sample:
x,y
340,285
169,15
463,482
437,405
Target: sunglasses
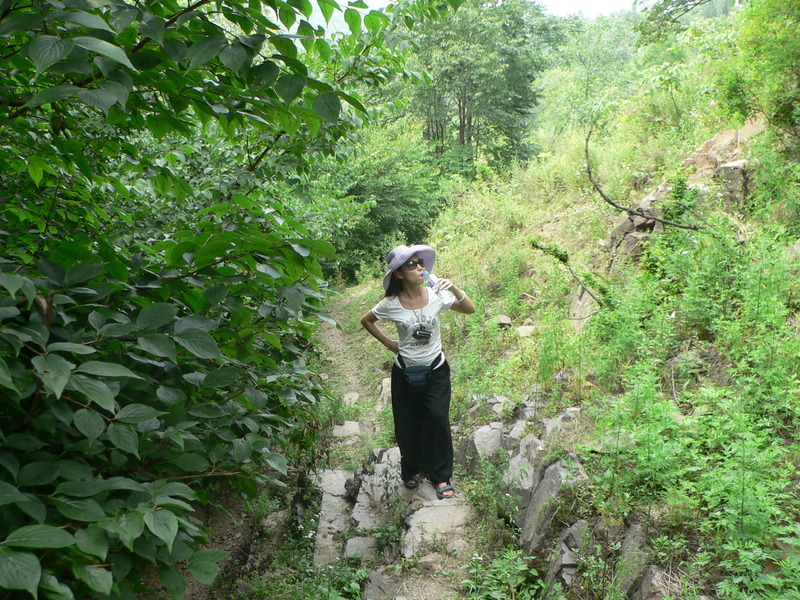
x,y
412,264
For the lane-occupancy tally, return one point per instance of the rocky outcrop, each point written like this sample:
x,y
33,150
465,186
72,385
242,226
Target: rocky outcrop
x,y
718,166
537,520
355,505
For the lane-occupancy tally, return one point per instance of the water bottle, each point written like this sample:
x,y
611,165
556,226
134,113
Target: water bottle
x,y
431,280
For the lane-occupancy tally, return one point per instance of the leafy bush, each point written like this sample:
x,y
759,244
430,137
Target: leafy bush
x,y
157,299
133,388
505,576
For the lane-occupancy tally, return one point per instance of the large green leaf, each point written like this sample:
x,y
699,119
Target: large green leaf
x,y
191,462
70,347
263,75
159,345
89,423
327,7
95,391
9,494
39,536
137,413
164,525
157,315
83,488
327,106
19,571
353,19
82,271
85,509
99,98
56,589
45,50
204,50
234,57
37,473
5,377
154,28
106,369
102,47
99,579
124,437
173,580
203,564
90,20
92,540
128,526
199,343
53,94
54,372
290,86
222,377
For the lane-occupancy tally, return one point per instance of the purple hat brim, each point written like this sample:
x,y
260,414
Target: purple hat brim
x,y
400,256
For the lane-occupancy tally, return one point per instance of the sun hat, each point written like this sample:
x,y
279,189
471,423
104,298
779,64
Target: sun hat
x,y
400,255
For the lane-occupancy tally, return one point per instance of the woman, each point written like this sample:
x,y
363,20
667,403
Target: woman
x,y
420,373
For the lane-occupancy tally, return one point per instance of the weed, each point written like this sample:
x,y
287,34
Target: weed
x,y
505,576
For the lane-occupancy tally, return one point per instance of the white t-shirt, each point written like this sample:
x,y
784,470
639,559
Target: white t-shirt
x,y
413,350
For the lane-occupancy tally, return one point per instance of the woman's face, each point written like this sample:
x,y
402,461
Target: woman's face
x,y
412,270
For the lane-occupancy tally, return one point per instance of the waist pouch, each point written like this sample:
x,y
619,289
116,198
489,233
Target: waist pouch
x,y
418,376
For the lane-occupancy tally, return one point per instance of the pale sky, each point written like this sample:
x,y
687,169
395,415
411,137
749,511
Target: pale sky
x,y
589,8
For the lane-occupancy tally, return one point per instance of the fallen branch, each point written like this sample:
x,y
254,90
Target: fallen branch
x,y
561,256
631,211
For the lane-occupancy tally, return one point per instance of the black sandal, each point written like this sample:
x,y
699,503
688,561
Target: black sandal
x,y
412,482
445,488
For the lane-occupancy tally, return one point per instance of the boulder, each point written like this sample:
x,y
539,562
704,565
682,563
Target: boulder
x,y
515,433
524,331
654,586
348,429
435,521
502,321
564,565
537,527
360,547
483,443
334,515
380,483
736,180
385,393
381,586
633,560
523,472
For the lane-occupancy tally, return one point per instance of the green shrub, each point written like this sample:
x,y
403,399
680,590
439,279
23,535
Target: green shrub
x,y
134,389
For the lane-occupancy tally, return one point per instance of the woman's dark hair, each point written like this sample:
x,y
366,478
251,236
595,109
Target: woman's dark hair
x,y
395,286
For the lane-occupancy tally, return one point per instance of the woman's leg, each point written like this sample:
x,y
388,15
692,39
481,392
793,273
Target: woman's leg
x,y
435,435
407,413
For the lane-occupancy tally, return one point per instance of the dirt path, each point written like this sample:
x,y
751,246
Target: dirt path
x,y
342,371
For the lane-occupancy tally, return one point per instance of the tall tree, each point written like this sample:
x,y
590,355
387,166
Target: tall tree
x,y
482,63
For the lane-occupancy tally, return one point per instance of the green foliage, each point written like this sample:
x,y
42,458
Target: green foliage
x,y
478,97
118,395
392,181
689,366
291,572
723,449
505,576
665,16
157,308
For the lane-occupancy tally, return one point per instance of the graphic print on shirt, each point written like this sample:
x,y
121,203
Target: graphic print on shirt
x,y
410,325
